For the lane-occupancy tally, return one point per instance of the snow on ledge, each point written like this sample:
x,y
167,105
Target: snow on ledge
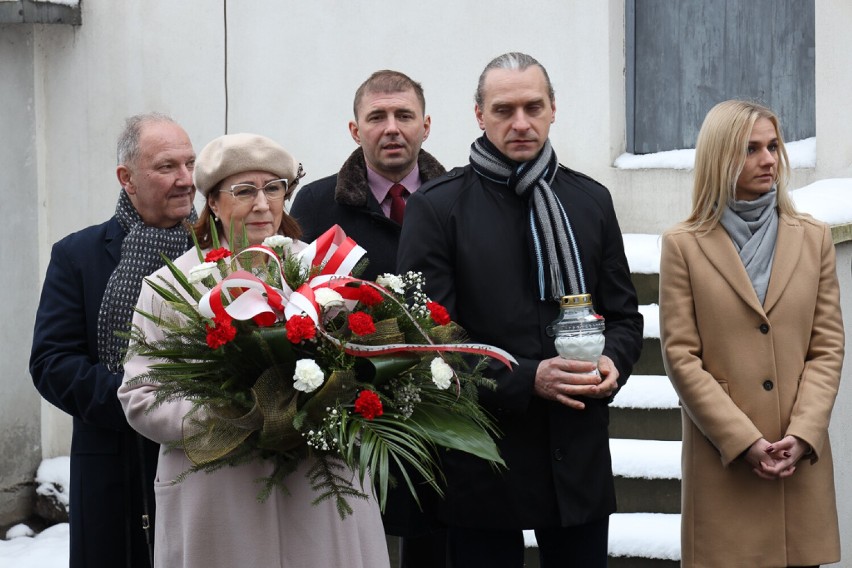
x,y
646,392
72,3
829,200
642,252
645,459
638,535
53,479
651,315
802,154
645,535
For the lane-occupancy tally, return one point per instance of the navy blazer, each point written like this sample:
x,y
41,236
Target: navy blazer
x,y
107,477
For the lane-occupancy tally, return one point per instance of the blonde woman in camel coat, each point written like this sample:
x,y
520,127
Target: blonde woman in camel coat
x,y
752,340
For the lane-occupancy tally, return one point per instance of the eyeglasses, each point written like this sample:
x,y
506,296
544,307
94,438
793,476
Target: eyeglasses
x,y
275,190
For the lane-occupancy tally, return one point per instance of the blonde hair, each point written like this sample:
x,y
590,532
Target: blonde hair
x,y
720,155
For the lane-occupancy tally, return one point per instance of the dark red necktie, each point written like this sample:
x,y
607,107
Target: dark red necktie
x,y
397,210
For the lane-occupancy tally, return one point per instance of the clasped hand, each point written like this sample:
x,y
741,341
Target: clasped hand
x,y
563,380
775,460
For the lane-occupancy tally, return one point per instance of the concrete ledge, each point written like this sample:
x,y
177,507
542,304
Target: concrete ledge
x,y
643,495
645,423
651,360
841,233
30,12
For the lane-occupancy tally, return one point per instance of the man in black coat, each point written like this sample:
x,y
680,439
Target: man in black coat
x,y
499,242
91,286
390,125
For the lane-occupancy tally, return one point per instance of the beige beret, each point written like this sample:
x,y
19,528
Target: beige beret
x,y
234,153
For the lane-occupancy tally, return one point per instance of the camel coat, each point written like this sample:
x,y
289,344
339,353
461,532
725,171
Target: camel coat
x,y
745,371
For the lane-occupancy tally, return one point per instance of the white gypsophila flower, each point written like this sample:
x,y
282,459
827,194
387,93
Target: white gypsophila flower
x,y
442,374
391,282
201,271
277,241
308,376
328,299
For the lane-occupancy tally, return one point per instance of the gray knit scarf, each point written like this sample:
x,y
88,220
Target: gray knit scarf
x,y
556,252
140,256
753,226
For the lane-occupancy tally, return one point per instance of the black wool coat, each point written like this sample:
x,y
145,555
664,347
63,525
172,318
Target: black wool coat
x,y
470,238
345,199
107,476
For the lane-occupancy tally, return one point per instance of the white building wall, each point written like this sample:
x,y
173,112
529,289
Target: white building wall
x,y
19,404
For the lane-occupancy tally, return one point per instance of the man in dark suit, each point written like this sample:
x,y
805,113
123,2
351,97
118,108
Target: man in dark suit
x,y
499,242
91,286
389,127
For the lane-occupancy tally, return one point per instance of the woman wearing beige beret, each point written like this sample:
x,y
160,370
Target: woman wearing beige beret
x,y
752,340
214,520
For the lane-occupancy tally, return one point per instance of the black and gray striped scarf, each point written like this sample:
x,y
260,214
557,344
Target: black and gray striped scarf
x,y
556,252
140,256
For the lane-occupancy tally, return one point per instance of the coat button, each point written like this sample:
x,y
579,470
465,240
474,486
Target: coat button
x,y
764,328
557,454
767,385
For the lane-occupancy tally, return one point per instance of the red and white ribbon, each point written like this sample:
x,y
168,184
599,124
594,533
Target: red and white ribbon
x,y
359,350
249,297
338,255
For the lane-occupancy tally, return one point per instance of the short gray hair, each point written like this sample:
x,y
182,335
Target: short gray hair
x,y
513,60
127,151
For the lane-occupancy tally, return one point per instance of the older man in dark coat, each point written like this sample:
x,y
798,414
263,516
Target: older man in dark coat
x,y
90,289
499,242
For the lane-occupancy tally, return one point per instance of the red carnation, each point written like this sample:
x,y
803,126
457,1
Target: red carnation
x,y
438,312
222,331
217,254
300,328
368,404
361,323
369,296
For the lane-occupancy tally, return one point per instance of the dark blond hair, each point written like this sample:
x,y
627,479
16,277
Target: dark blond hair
x,y
720,155
387,81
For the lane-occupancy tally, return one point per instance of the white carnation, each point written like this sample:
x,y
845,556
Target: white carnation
x,y
328,299
277,241
308,376
442,374
391,282
201,271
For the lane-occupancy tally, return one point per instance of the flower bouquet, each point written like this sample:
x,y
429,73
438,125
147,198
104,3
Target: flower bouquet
x,y
285,355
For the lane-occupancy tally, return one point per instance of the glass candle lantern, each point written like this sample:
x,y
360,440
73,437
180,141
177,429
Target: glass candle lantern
x,y
578,331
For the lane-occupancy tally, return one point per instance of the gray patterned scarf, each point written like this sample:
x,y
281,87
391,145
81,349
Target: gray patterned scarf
x,y
556,252
753,226
140,256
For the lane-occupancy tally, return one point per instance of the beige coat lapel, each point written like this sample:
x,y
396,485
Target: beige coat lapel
x,y
788,248
722,254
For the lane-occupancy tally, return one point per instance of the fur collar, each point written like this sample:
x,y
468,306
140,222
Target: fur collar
x,y
352,188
